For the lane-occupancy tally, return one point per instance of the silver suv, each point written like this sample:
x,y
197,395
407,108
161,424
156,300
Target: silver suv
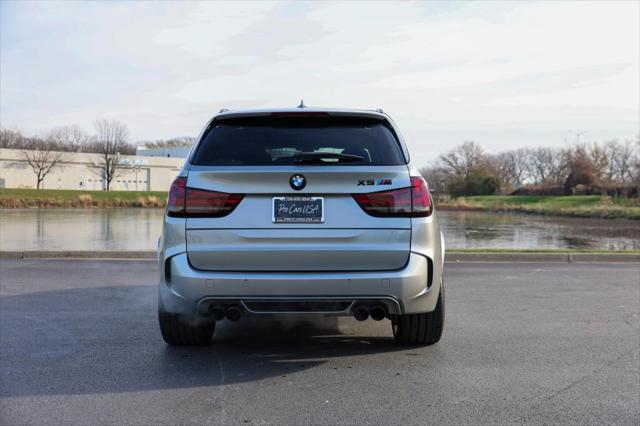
x,y
300,212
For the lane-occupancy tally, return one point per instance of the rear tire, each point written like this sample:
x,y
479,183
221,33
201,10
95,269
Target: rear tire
x,y
179,330
420,329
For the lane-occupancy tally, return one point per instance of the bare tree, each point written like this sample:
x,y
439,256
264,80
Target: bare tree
x,y
173,142
436,178
602,157
513,167
547,165
540,160
636,162
68,138
11,139
14,139
461,160
42,162
110,142
623,162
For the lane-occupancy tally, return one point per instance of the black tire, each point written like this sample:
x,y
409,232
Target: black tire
x,y
178,330
420,329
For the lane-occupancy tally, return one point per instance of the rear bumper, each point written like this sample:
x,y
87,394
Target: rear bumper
x,y
183,289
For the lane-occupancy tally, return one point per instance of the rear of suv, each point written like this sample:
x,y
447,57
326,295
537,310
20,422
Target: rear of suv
x,y
300,212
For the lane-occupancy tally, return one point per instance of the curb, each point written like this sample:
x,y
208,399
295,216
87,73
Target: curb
x,y
451,257
70,254
461,257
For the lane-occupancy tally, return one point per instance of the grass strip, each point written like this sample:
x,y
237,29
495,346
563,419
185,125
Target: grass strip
x,y
46,198
589,206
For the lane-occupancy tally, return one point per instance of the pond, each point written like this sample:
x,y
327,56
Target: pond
x,y
138,229
475,229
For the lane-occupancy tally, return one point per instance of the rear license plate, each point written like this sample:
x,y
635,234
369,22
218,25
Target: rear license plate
x,y
298,209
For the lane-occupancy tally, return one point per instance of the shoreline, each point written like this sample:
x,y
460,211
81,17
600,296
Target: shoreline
x,y
452,256
607,215
591,207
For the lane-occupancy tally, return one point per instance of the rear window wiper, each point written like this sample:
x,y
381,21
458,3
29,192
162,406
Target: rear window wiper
x,y
318,157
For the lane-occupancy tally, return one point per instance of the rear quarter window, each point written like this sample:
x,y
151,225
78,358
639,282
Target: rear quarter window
x,y
264,141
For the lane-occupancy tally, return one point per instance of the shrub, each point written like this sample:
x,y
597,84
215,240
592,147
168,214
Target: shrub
x,y
478,182
539,190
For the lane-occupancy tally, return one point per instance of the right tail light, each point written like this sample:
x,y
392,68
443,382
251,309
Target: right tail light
x,y
414,201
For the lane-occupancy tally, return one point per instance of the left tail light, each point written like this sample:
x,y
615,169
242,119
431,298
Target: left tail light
x,y
191,202
414,201
177,194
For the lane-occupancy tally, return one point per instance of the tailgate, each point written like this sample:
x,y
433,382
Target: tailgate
x,y
348,239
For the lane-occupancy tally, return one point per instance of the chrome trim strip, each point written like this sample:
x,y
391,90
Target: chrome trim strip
x,y
344,312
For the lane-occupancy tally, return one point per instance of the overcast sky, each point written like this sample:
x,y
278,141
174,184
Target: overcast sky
x,y
505,74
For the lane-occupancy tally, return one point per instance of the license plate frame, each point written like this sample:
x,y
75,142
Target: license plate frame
x,y
282,217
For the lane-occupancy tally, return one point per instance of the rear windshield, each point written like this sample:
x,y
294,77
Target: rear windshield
x,y
325,140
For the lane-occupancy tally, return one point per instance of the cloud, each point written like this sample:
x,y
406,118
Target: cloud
x,y
503,73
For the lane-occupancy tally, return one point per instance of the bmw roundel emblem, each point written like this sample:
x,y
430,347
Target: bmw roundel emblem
x,y
297,182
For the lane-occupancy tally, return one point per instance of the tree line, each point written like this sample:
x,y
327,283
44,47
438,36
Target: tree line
x,y
110,140
611,167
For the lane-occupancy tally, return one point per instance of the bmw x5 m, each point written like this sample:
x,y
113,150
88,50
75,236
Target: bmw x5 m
x,y
300,212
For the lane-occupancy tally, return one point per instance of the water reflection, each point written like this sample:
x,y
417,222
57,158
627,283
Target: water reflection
x,y
80,229
138,229
473,229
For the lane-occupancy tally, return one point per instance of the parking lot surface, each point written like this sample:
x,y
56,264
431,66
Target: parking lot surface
x,y
523,343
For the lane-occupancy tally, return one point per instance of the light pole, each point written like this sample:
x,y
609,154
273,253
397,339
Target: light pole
x,y
578,134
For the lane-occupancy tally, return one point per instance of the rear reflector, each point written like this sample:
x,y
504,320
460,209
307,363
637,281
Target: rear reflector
x,y
414,201
191,202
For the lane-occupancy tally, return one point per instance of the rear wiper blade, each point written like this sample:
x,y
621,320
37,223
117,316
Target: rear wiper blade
x,y
317,157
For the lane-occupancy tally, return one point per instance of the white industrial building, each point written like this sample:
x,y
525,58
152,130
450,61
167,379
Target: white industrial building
x,y
181,151
77,171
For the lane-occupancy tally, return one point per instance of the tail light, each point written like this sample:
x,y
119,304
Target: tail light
x,y
414,201
177,194
191,202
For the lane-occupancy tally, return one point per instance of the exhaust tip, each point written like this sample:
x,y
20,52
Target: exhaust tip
x,y
378,313
217,312
234,313
361,314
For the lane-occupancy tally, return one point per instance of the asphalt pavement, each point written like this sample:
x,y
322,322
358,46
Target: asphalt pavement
x,y
524,343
